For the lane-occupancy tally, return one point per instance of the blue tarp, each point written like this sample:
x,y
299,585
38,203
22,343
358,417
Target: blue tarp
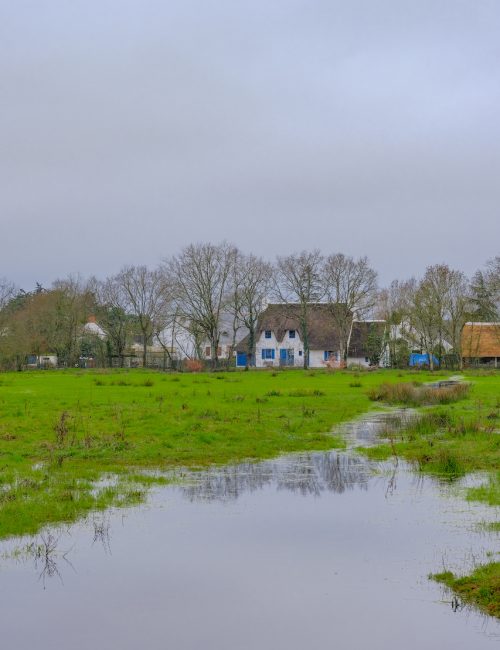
x,y
422,360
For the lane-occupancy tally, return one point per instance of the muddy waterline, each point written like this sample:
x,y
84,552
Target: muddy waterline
x,y
323,550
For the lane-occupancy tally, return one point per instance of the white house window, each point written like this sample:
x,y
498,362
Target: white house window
x,y
300,353
268,353
291,334
328,354
267,334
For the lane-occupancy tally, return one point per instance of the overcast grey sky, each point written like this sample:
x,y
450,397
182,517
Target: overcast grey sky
x,y
130,128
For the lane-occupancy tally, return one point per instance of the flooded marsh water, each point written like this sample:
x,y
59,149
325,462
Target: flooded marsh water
x,y
321,550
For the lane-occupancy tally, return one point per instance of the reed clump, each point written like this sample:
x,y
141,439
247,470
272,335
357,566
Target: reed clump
x,y
411,394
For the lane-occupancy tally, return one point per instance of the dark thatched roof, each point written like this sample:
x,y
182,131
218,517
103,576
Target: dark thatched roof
x,y
358,344
280,318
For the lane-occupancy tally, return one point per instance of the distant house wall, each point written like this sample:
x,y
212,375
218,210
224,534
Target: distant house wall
x,y
358,361
42,361
224,351
293,346
317,359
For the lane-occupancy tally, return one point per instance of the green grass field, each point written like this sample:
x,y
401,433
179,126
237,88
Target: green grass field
x,y
60,431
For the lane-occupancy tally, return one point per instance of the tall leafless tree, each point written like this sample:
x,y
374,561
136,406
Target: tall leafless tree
x,y
429,311
299,280
112,304
252,281
394,305
7,292
146,297
351,289
68,305
458,305
202,274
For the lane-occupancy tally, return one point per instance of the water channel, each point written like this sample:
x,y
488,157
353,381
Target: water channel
x,y
321,550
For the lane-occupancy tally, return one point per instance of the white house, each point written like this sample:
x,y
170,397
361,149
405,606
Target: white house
x,y
225,349
93,328
279,340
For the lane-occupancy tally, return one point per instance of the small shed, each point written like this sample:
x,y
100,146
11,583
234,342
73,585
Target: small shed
x,y
481,343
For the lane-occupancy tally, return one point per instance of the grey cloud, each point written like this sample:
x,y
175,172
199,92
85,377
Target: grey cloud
x,y
130,129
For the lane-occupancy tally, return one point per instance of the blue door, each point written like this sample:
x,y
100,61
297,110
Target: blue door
x,y
241,359
283,355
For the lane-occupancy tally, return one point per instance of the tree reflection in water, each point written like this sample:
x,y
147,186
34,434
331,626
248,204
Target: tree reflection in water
x,y
304,473
102,527
47,557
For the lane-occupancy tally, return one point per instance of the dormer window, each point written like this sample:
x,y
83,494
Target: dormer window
x,y
291,334
267,334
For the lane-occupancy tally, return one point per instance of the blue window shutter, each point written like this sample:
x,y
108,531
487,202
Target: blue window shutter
x,y
263,353
272,353
325,356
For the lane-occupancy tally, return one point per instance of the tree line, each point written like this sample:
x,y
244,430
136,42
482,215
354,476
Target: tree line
x,y
186,302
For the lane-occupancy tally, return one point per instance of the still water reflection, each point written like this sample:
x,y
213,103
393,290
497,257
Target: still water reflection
x,y
309,474
323,550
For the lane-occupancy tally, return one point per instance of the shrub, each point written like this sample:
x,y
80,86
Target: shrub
x,y
193,365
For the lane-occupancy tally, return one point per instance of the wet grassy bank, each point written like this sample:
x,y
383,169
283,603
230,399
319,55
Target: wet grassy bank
x,y
455,434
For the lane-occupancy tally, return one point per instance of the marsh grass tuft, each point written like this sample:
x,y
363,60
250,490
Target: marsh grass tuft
x,y
488,493
412,394
443,442
481,588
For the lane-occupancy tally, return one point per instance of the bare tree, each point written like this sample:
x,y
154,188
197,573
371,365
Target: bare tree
x,y
429,311
252,281
458,304
299,280
394,305
441,307
351,288
166,326
202,274
7,292
146,297
65,308
112,304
